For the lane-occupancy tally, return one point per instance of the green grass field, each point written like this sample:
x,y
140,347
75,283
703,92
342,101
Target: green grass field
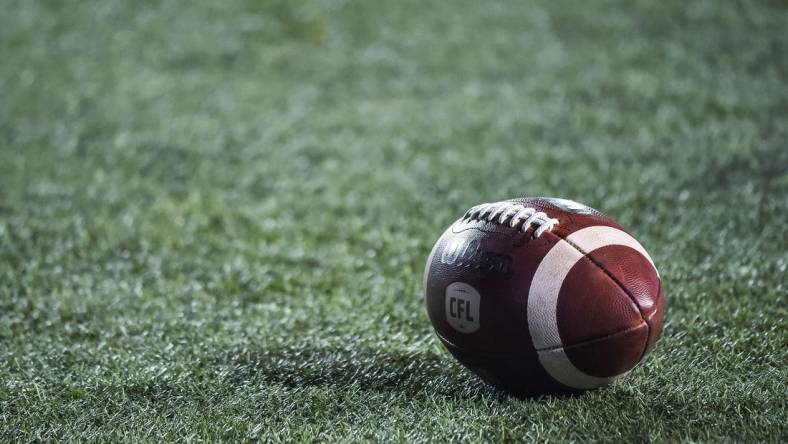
x,y
214,215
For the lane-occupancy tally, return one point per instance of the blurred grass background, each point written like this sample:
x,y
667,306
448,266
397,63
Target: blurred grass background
x,y
214,215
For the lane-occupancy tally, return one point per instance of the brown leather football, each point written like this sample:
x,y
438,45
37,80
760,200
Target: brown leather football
x,y
543,295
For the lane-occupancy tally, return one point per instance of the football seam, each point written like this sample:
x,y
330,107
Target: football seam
x,y
565,347
597,339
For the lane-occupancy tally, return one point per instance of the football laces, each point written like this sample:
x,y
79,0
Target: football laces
x,y
513,214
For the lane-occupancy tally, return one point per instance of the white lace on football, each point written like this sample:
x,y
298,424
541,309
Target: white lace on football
x,y
514,214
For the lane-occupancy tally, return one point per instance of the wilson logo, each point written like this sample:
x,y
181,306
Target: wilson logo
x,y
463,253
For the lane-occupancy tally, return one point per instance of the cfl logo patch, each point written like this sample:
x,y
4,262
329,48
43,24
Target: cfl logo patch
x,y
462,307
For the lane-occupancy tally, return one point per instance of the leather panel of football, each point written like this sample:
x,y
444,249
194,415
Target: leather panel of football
x,y
591,306
517,373
638,276
634,272
612,355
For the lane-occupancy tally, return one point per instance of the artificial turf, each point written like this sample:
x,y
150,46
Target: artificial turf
x,y
214,215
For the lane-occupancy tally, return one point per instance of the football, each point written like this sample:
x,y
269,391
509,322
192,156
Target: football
x,y
543,295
